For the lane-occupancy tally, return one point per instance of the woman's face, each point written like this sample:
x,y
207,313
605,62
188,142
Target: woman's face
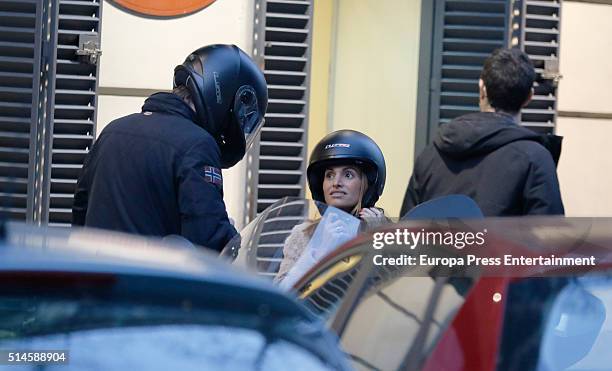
x,y
342,186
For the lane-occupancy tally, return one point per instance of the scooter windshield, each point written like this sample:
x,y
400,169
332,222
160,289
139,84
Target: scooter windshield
x,y
290,237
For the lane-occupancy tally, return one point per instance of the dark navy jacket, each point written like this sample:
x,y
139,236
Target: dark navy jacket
x,y
502,166
155,173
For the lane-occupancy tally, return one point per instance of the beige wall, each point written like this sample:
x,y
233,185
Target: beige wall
x,y
111,107
374,82
140,53
586,46
585,168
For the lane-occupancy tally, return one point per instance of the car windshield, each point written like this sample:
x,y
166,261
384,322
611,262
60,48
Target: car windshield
x,y
99,335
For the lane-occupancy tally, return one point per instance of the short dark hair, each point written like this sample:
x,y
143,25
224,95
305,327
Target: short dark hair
x,y
508,75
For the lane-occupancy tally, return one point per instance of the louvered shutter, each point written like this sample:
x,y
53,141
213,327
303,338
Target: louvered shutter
x,y
47,104
282,46
20,55
74,103
538,22
465,32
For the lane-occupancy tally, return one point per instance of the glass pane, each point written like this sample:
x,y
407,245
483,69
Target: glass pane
x,y
384,326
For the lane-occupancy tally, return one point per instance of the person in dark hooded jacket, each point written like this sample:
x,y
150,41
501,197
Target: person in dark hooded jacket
x,y
158,172
487,155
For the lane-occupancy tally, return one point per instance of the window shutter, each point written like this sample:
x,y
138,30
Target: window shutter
x,y
48,70
74,102
538,23
465,32
20,57
282,40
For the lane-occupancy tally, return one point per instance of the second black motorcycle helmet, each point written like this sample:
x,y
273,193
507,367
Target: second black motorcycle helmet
x,y
230,97
348,147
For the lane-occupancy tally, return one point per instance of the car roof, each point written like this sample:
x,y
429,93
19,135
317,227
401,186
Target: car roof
x,y
28,249
84,249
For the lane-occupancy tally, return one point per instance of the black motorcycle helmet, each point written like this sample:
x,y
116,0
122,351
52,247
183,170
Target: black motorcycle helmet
x,y
348,147
230,96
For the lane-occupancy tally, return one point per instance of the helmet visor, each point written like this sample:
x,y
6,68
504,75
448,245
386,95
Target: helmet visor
x,y
252,127
248,113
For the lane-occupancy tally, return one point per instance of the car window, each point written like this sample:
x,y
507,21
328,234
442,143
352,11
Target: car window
x,y
386,324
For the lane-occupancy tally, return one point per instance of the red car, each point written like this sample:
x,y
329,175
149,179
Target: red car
x,y
468,317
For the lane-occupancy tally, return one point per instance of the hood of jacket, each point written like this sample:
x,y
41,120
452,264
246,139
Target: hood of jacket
x,y
479,133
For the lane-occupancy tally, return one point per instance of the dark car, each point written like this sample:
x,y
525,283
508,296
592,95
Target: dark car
x,y
93,300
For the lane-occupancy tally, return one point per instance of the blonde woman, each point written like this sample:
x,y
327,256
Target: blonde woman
x,y
347,171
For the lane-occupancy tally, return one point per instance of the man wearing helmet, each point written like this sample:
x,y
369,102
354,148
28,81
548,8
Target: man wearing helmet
x,y
158,172
507,169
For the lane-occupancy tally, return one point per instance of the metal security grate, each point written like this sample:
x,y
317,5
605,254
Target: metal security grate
x,y
538,23
20,56
282,47
74,102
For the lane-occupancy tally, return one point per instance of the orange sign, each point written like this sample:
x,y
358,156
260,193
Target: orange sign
x,y
164,8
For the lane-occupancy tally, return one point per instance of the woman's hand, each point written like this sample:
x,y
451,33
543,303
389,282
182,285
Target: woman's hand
x,y
373,216
371,212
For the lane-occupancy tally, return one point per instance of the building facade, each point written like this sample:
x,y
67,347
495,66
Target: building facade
x,y
392,69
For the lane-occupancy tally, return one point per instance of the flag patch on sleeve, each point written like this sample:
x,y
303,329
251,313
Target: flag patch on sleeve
x,y
213,175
